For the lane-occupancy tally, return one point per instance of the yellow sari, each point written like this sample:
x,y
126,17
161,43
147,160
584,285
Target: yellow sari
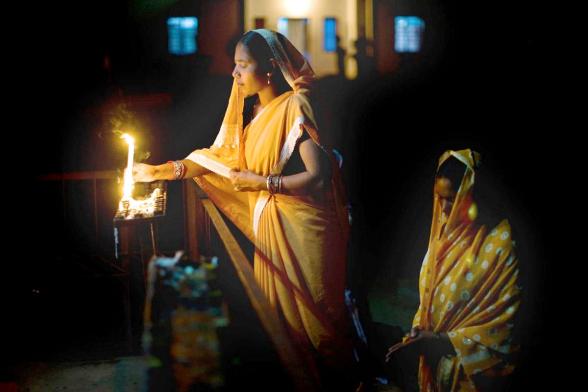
x,y
468,288
300,241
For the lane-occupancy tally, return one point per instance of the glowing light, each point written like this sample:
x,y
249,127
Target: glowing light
x,y
128,206
128,176
143,207
297,7
188,23
330,37
408,32
182,32
283,26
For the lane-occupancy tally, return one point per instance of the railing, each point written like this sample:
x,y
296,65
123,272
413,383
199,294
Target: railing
x,y
86,203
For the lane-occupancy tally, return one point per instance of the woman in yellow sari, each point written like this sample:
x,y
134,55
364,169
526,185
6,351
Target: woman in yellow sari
x,y
463,328
268,172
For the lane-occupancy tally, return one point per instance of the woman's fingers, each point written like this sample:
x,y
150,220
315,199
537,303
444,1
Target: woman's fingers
x,y
393,349
234,176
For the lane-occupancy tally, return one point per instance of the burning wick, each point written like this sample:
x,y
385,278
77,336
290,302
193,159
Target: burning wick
x,y
128,176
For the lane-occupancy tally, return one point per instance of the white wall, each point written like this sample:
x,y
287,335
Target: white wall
x,y
322,62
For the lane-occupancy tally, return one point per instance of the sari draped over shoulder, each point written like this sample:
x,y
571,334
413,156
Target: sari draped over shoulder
x,y
468,289
300,241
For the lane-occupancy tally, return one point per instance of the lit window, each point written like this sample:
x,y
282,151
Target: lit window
x,y
408,32
330,39
182,33
295,30
283,26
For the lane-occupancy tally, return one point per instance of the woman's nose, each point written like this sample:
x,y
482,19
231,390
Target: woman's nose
x,y
235,72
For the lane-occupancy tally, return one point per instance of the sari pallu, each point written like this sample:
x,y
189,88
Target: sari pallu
x,y
468,288
300,241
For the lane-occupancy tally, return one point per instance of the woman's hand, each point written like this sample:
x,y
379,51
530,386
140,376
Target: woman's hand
x,y
433,344
409,339
143,172
246,181
415,335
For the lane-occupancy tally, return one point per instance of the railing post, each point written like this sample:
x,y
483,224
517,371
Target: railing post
x,y
191,222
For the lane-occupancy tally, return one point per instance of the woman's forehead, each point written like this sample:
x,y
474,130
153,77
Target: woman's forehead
x,y
242,53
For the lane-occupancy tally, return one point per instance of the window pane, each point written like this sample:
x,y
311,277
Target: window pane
x,y
330,39
408,32
182,33
295,30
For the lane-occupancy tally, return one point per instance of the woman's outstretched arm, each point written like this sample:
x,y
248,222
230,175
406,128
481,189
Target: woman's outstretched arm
x,y
147,173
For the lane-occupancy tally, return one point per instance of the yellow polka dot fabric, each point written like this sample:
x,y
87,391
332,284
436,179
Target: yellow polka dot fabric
x,y
468,289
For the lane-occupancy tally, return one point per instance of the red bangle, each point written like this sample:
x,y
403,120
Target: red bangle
x,y
184,170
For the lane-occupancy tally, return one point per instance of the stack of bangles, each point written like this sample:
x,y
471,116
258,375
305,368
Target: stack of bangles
x,y
179,169
274,184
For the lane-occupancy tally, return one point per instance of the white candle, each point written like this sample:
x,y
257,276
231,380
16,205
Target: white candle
x,y
128,177
131,155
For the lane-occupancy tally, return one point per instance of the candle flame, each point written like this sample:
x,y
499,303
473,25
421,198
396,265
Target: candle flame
x,y
128,138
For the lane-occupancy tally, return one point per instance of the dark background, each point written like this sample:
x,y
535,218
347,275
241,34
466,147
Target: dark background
x,y
492,88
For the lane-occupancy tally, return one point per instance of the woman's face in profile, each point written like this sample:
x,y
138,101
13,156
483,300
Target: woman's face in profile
x,y
444,188
246,72
446,192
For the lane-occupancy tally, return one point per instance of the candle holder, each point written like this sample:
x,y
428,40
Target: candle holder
x,y
148,201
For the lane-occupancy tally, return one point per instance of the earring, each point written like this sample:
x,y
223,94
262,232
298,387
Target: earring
x,y
473,212
269,75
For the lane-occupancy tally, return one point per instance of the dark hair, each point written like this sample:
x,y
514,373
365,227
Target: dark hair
x,y
262,53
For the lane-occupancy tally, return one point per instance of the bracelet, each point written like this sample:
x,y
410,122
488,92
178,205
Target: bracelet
x,y
274,183
179,169
271,182
184,169
268,183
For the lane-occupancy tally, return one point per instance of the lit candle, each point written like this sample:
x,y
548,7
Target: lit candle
x,y
131,142
128,177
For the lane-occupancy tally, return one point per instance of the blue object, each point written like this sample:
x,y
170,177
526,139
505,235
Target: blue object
x,y
408,34
330,37
182,32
